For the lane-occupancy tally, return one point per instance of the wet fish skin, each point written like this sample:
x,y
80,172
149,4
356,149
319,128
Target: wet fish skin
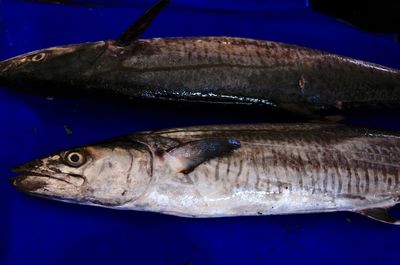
x,y
270,169
250,71
212,69
56,70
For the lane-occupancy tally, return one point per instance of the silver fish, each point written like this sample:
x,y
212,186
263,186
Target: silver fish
x,y
231,170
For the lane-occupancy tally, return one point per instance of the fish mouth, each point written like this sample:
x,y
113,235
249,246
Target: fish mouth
x,y
11,64
33,180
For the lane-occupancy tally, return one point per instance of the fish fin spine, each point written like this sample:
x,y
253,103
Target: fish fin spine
x,y
141,24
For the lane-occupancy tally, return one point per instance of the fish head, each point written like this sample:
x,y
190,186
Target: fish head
x,y
51,68
108,176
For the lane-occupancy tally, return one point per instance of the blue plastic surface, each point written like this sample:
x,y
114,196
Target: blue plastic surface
x,y
38,231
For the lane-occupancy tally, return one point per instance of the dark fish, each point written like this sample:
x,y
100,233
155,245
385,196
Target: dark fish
x,y
209,69
232,170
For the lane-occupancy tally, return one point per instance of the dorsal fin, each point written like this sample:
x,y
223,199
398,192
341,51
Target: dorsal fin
x,y
380,214
137,28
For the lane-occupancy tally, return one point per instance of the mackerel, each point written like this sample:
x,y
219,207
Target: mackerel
x,y
231,170
206,69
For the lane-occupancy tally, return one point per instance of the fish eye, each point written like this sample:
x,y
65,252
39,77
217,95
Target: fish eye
x,y
38,57
74,159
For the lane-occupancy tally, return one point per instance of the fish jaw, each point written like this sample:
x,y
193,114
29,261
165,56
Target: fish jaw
x,y
46,183
4,67
27,183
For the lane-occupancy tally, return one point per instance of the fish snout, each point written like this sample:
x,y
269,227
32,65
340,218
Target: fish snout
x,y
34,175
10,69
14,180
27,167
5,66
3,69
8,65
7,71
27,183
24,181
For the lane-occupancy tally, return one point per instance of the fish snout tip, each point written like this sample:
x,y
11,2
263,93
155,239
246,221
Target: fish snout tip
x,y
13,181
19,169
4,67
26,183
16,181
22,169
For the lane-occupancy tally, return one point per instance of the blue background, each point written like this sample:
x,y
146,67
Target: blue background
x,y
37,231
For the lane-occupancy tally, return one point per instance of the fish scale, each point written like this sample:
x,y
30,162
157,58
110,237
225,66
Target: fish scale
x,y
259,59
229,170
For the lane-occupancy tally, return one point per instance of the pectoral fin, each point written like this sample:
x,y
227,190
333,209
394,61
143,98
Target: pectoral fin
x,y
380,214
186,157
134,31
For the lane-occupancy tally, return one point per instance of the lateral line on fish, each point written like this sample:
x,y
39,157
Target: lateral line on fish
x,y
252,130
377,163
198,66
284,146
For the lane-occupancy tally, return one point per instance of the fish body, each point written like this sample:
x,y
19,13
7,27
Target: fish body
x,y
205,69
235,170
212,69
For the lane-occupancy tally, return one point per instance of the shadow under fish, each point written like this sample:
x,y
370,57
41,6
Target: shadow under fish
x,y
223,70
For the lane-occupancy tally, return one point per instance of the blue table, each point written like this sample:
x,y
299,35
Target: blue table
x,y
37,231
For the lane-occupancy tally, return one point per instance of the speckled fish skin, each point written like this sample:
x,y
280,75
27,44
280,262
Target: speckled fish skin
x,y
273,169
211,69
